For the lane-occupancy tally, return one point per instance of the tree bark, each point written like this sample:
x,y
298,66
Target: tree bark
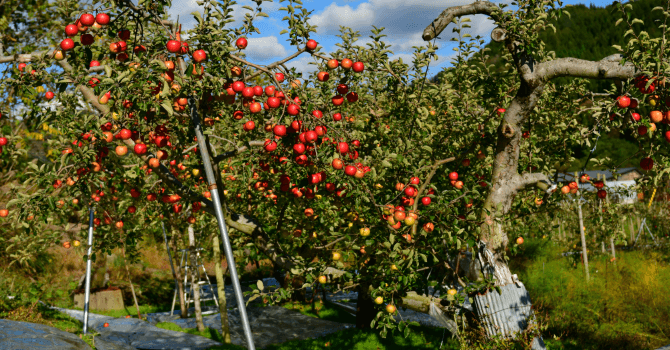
x,y
176,236
583,237
220,289
195,285
132,288
365,307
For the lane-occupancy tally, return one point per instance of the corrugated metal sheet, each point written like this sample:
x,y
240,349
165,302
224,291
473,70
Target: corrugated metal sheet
x,y
505,313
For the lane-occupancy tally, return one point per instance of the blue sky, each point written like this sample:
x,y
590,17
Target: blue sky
x,y
404,21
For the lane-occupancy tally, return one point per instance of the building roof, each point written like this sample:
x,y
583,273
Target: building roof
x,y
593,174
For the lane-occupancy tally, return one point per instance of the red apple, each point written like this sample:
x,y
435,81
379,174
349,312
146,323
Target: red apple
x,y
337,116
346,63
311,45
173,46
102,19
49,95
425,201
87,19
279,77
338,100
241,43
350,170
67,44
140,148
323,76
623,101
293,109
71,30
358,67
199,55
332,63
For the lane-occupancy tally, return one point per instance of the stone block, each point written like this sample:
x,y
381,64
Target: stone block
x,y
104,300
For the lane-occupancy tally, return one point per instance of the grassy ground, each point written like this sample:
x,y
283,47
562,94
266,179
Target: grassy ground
x,y
421,338
623,306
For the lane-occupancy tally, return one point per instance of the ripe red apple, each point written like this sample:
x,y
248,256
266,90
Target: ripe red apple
x,y
323,76
4,213
453,176
250,125
636,116
602,194
623,101
350,170
67,44
519,240
123,34
270,146
121,150
428,227
338,100
87,39
49,95
199,55
258,91
140,148
337,164
346,63
102,19
106,325
342,147
66,245
646,163
293,109
410,191
279,77
352,97
3,141
255,107
71,30
425,201
241,43
173,46
332,63
342,89
87,19
311,45
358,67
337,116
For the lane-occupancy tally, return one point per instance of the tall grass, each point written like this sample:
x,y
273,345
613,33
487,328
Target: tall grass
x,y
624,306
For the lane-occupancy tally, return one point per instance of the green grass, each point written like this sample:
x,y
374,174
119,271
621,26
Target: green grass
x,y
328,312
130,310
624,306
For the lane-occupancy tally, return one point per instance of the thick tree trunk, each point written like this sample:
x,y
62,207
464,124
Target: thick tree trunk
x,y
195,286
365,307
220,289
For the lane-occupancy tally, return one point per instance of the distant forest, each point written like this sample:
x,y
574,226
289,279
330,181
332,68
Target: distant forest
x,y
589,33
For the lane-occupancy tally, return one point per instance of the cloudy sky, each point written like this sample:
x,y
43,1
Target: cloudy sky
x,y
404,22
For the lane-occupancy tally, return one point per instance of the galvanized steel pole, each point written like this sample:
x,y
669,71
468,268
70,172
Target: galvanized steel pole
x,y
209,172
88,269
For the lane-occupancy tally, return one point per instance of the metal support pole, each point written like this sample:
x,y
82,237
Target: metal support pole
x,y
87,296
176,284
209,172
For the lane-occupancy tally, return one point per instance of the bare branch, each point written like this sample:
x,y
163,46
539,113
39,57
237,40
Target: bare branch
x,y
607,68
530,179
447,16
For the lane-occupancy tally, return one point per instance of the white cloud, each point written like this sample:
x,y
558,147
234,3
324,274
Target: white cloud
x,y
265,48
400,18
184,8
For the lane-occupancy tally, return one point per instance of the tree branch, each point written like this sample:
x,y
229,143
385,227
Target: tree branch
x,y
447,16
607,68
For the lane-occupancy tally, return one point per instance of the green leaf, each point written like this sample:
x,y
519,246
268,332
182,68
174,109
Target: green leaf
x,y
168,107
259,284
386,164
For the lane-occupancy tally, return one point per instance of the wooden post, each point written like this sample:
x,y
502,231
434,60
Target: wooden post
x,y
581,231
613,250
